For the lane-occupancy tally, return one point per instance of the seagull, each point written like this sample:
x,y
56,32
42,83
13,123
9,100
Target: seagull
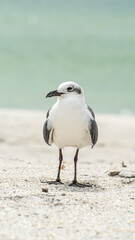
x,y
70,123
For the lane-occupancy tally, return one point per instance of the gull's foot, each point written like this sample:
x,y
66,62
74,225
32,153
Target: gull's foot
x,y
56,182
76,184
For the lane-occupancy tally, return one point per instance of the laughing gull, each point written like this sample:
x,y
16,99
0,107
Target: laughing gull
x,y
70,123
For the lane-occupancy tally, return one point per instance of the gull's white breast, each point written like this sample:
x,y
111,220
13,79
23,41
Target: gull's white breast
x,y
70,119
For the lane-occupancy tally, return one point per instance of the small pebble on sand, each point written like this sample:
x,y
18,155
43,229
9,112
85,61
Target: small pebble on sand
x,y
114,172
44,189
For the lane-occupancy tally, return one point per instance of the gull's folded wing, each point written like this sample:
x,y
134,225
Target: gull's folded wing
x,y
47,130
93,129
91,111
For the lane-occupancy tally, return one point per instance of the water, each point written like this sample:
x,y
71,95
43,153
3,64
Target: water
x,y
44,43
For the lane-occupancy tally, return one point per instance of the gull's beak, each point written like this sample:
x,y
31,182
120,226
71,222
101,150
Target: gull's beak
x,y
54,94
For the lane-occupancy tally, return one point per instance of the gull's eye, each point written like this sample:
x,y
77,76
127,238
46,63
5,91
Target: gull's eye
x,y
70,89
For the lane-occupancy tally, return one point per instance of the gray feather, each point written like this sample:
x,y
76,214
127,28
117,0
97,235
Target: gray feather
x,y
46,132
91,111
94,132
47,115
93,128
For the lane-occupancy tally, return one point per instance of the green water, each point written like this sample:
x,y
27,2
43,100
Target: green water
x,y
44,43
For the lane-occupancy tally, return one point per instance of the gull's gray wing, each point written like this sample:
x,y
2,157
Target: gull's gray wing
x,y
91,111
93,128
47,115
47,129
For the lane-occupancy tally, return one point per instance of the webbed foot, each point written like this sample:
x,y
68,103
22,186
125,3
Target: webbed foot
x,y
56,182
76,184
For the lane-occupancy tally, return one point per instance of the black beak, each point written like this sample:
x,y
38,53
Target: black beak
x,y
54,94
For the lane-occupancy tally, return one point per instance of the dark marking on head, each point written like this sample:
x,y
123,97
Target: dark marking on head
x,y
78,90
72,89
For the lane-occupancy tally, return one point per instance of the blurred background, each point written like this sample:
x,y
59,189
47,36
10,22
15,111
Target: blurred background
x,y
46,42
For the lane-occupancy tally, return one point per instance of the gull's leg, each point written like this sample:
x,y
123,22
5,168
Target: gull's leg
x,y
60,162
74,182
75,166
58,175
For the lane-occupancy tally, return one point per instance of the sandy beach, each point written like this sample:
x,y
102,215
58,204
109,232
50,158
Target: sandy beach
x,y
32,209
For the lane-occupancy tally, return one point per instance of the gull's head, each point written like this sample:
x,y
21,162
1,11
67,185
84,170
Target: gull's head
x,y
67,89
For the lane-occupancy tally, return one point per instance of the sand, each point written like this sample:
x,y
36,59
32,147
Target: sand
x,y
104,211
